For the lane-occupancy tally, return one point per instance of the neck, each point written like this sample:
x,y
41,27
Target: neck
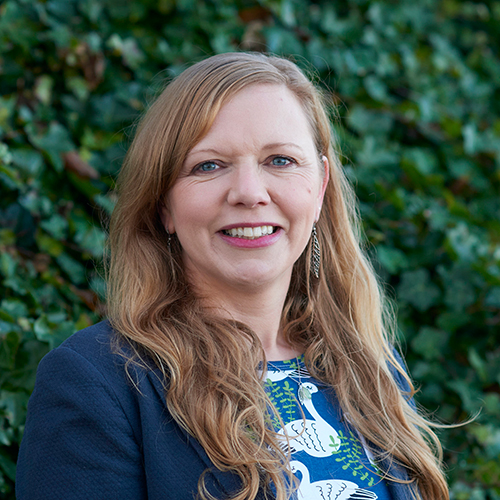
x,y
260,309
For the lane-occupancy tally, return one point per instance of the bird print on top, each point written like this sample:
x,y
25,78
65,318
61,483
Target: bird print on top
x,y
327,457
329,489
314,436
275,375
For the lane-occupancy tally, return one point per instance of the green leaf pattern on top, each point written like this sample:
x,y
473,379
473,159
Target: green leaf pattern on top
x,y
283,399
349,454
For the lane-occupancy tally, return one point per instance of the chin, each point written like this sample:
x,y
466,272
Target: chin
x,y
259,276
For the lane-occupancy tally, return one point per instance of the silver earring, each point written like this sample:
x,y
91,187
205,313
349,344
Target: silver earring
x,y
169,240
315,253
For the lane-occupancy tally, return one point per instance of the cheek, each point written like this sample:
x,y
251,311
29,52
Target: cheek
x,y
187,215
193,214
183,204
305,193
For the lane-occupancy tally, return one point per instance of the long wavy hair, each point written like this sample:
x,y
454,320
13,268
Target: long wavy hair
x,y
340,320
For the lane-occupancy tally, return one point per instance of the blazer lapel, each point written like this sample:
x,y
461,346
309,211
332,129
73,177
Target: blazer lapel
x,y
221,484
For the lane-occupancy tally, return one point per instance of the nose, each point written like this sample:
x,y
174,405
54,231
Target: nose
x,y
248,187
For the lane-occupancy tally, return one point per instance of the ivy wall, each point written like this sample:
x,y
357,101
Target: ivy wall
x,y
417,90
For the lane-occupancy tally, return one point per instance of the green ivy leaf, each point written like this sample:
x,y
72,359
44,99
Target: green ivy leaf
x,y
393,259
430,343
55,141
417,289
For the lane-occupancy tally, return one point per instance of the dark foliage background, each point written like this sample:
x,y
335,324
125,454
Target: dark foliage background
x,y
416,84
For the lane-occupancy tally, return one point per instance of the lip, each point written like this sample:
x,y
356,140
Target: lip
x,y
263,241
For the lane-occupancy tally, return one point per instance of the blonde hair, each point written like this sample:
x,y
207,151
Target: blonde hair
x,y
339,320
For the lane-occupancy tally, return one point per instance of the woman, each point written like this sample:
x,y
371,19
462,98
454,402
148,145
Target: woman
x,y
245,354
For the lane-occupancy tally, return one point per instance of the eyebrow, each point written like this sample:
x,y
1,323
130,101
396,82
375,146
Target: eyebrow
x,y
282,144
267,146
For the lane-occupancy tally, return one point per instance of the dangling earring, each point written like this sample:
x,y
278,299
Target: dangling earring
x,y
315,253
169,240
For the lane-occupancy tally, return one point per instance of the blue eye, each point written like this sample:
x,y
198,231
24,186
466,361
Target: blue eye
x,y
208,166
281,161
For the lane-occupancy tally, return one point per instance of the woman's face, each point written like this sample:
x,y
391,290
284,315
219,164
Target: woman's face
x,y
248,194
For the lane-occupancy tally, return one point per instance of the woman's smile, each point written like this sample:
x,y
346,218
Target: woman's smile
x,y
250,233
261,235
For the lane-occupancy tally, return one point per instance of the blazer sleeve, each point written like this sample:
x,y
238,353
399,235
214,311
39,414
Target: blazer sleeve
x,y
79,442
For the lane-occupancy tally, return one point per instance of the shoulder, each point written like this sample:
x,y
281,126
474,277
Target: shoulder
x,y
86,365
98,348
93,343
93,365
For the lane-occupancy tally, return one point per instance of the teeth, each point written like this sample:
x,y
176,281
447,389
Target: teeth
x,y
249,232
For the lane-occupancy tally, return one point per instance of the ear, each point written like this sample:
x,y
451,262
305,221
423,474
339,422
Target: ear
x,y
324,183
166,218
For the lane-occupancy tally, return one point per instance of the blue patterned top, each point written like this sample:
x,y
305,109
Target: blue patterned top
x,y
327,456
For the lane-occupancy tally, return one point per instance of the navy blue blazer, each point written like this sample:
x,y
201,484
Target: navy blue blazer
x,y
90,434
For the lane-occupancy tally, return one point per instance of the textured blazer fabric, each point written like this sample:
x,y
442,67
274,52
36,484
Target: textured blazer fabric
x,y
91,434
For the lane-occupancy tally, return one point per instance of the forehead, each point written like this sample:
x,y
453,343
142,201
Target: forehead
x,y
258,114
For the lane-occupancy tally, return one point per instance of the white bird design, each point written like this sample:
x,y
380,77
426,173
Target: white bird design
x,y
275,375
328,489
315,437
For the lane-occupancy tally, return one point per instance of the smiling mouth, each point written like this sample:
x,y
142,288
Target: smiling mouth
x,y
250,233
